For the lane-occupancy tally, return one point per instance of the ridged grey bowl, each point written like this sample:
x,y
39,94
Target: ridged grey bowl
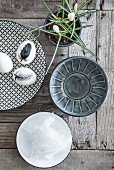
x,y
78,86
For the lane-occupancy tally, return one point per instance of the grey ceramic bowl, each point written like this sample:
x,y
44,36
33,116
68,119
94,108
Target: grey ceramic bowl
x,y
78,86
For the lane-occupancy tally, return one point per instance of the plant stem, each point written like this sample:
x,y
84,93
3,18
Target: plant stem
x,y
63,12
73,28
63,8
39,28
75,35
49,32
49,9
67,3
54,54
69,31
84,4
81,45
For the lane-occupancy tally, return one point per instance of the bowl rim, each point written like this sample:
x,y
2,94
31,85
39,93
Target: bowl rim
x,y
36,114
95,62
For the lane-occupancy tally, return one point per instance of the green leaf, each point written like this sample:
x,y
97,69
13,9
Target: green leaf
x,y
75,35
73,28
54,54
84,4
64,9
67,3
81,45
55,21
84,13
49,32
86,26
63,12
36,29
49,9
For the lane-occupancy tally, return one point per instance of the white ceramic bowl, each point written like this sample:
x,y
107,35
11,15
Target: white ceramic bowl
x,y
44,140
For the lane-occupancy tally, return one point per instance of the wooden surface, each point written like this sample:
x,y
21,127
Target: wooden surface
x,y
76,160
93,136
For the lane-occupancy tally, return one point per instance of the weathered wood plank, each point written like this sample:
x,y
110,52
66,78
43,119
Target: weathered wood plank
x,y
84,129
77,160
29,9
36,9
25,9
105,43
105,4
8,134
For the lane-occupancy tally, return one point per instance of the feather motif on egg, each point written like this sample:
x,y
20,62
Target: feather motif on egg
x,y
26,52
24,76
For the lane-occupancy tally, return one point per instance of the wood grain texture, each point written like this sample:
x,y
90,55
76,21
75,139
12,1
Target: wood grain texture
x,y
77,160
36,8
105,46
29,8
84,129
25,9
8,134
105,4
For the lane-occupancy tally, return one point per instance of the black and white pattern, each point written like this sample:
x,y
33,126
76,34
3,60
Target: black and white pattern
x,y
13,95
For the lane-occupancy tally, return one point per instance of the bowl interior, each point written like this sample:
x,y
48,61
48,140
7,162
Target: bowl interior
x,y
78,86
44,139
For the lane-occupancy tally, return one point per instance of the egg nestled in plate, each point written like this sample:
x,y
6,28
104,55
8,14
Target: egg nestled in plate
x,y
24,76
26,52
6,64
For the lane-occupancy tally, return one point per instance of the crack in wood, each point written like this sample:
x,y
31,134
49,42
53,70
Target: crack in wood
x,y
88,16
79,121
104,144
89,3
101,4
88,144
103,14
83,52
81,145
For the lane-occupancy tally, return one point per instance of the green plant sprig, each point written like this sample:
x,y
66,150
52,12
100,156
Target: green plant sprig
x,y
66,26
54,54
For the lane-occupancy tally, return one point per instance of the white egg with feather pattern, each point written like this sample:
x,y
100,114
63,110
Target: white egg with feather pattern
x,y
26,52
24,76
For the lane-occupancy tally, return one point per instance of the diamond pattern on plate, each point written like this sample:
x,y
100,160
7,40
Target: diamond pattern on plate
x,y
13,95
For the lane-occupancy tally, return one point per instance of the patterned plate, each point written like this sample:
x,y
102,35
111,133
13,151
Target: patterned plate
x,y
13,95
78,86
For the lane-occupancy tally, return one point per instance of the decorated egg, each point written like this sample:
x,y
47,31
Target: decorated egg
x,y
26,52
24,76
6,64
